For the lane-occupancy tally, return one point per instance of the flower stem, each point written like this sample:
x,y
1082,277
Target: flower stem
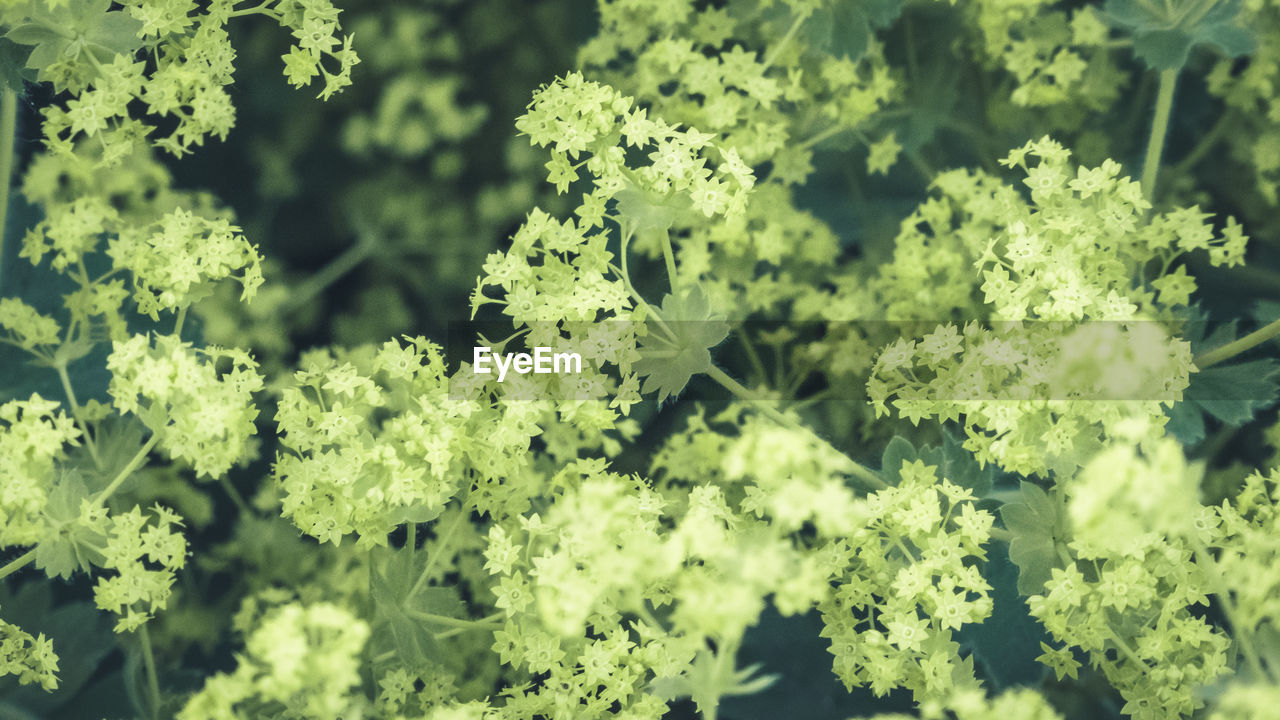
x,y
485,623
786,39
344,263
235,496
149,660
22,561
442,541
1231,349
453,621
1240,633
127,470
179,321
78,414
669,255
8,130
1159,129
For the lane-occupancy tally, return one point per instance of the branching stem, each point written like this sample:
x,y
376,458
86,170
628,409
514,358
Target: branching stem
x,y
149,661
78,414
454,622
1159,129
8,131
134,463
337,268
1232,349
22,561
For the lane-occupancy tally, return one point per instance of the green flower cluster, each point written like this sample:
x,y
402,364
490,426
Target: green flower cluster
x,y
90,50
1080,342
1126,592
137,591
35,433
557,546
31,659
769,90
199,413
909,578
303,660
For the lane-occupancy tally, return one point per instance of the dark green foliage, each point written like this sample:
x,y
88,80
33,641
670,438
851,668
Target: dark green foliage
x,y
670,361
1163,40
1037,523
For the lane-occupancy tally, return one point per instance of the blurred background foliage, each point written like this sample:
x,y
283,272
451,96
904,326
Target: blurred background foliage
x,y
377,207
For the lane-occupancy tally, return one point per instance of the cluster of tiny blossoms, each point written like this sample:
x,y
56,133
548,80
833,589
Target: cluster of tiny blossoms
x,y
612,551
178,260
172,57
344,472
137,591
199,412
31,659
909,580
1252,122
378,437
1055,56
752,79
893,574
1244,534
1128,585
174,246
575,116
1073,261
34,435
300,660
558,277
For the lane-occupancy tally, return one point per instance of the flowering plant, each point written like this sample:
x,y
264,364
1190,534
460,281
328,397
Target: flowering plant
x,y
853,358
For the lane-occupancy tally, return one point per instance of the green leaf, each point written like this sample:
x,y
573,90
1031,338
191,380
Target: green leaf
x,y
72,546
709,679
959,466
898,451
1163,49
1037,523
844,29
1164,33
119,438
668,363
13,61
1233,394
643,211
117,32
839,29
1007,643
393,576
952,461
75,28
32,34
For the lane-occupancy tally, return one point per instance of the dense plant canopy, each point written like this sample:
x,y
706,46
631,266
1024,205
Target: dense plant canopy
x,y
639,358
